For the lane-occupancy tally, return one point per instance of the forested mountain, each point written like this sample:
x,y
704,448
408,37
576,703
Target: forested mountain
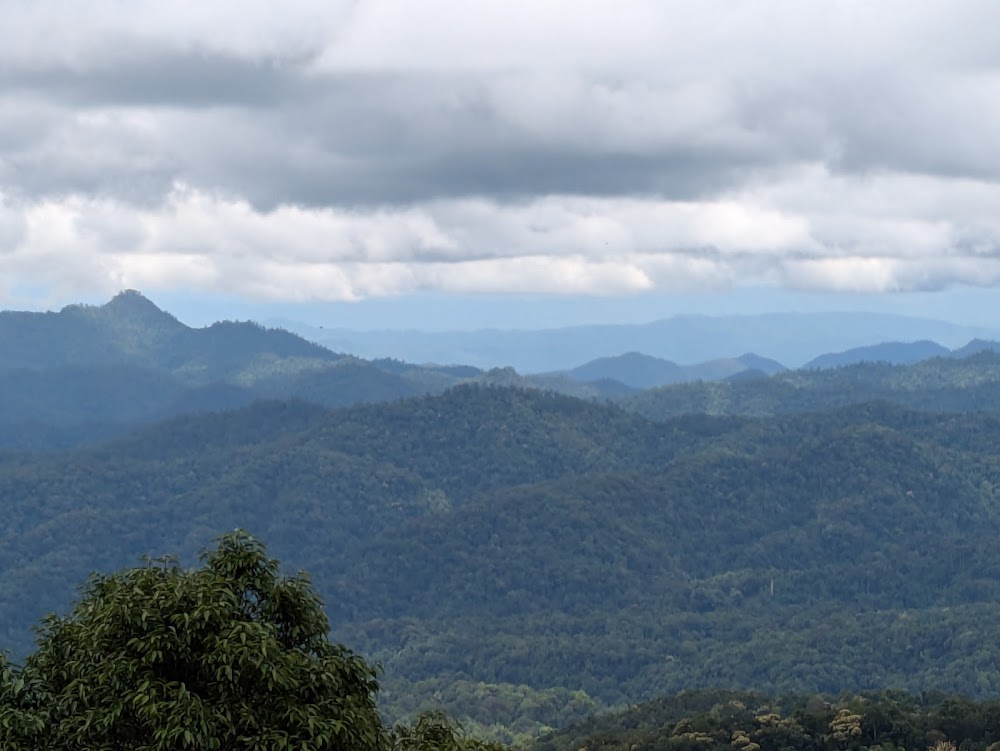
x,y
493,543
899,353
895,353
639,371
90,372
946,384
519,556
131,330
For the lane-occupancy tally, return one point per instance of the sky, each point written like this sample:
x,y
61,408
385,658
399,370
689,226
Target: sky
x,y
470,163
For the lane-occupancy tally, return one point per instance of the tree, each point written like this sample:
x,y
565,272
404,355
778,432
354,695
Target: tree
x,y
227,656
434,731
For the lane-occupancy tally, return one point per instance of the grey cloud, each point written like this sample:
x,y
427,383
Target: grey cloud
x,y
837,147
344,139
276,130
127,73
510,174
897,121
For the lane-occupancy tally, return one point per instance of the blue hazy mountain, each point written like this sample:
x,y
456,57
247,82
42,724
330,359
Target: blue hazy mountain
x,y
90,370
900,353
896,353
792,339
640,371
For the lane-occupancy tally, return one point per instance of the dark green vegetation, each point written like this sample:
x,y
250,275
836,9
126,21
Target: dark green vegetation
x,y
941,384
230,656
523,558
90,372
892,721
639,371
493,547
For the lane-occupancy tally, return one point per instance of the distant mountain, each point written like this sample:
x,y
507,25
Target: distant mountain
x,y
633,369
895,353
131,330
639,371
750,374
790,338
944,384
976,346
94,370
762,364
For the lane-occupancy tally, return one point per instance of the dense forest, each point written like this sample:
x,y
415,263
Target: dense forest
x,y
524,558
492,545
888,720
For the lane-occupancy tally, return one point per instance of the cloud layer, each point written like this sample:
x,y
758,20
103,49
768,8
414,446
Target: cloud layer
x,y
341,151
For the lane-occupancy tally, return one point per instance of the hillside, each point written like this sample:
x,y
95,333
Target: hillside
x,y
787,557
91,372
131,330
307,479
536,544
639,371
895,353
945,384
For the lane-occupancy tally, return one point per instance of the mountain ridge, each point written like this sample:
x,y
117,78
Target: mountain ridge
x,y
789,338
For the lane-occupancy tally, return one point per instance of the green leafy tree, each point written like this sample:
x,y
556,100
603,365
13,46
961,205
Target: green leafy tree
x,y
435,731
227,656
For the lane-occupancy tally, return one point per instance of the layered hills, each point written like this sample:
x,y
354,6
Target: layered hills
x,y
945,384
503,537
88,372
792,339
639,371
519,554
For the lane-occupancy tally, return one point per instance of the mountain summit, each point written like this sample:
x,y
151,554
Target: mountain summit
x,y
131,330
132,305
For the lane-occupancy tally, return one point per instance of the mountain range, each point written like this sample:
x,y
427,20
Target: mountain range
x,y
521,538
481,535
792,339
88,373
96,370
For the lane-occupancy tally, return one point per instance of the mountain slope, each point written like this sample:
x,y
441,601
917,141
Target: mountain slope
x,y
629,583
308,480
131,330
536,540
88,372
942,384
895,353
633,369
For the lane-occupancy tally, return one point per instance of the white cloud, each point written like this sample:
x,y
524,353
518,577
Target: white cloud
x,y
807,230
353,149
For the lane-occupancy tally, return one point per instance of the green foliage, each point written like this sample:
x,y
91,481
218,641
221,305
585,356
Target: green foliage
x,y
942,384
88,372
732,721
228,656
434,731
500,712
491,543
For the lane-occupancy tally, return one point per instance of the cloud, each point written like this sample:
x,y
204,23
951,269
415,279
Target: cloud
x,y
808,230
353,149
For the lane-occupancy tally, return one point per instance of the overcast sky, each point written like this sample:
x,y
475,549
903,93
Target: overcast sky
x,y
325,151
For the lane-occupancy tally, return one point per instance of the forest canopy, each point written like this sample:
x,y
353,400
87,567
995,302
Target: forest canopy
x,y
230,656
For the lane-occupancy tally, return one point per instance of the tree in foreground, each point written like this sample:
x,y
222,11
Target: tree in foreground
x,y
228,656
